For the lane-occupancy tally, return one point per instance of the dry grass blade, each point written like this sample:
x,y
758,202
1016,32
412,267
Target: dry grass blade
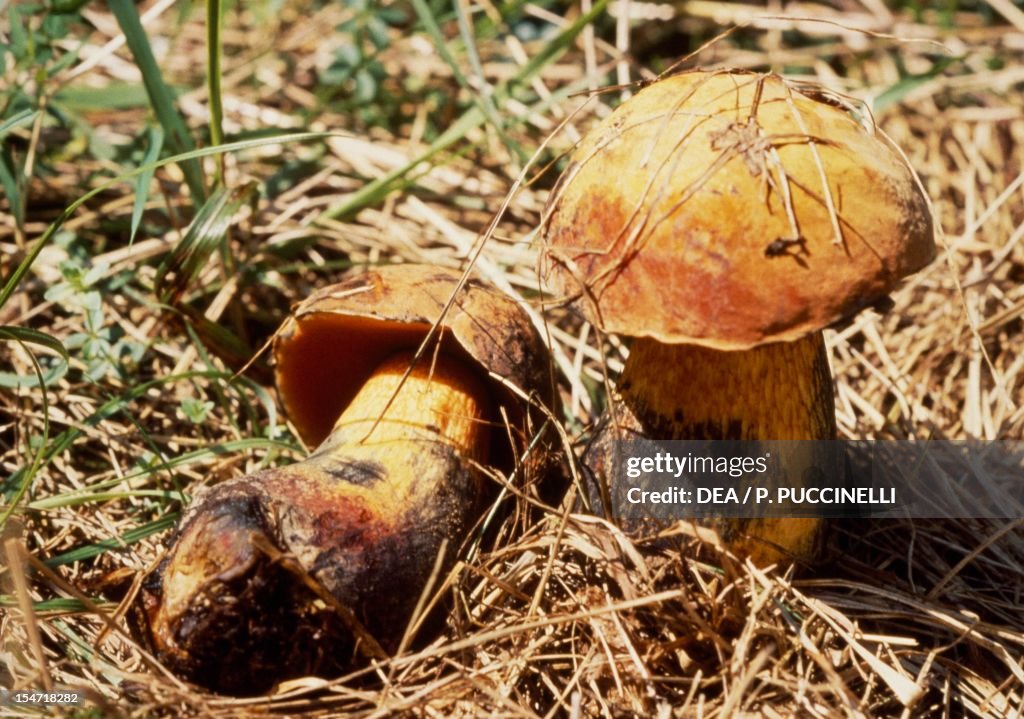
x,y
549,612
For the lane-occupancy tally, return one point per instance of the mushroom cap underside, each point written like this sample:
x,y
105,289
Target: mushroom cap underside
x,y
336,338
731,209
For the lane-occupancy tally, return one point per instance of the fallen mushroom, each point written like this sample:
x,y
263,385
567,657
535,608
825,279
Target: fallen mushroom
x,y
302,569
723,219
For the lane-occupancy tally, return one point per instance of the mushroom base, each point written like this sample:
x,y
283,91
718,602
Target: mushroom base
x,y
777,391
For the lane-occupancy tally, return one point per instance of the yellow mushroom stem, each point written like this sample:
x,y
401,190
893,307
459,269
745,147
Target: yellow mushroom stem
x,y
440,400
776,391
409,444
365,516
779,391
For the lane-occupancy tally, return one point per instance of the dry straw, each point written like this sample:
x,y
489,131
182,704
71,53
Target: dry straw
x,y
554,614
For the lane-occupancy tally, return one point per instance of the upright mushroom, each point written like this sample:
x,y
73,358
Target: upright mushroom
x,y
723,219
301,569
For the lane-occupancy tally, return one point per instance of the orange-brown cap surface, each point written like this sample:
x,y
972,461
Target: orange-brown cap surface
x,y
730,209
336,338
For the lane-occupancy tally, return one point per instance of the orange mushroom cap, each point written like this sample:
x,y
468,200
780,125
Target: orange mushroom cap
x,y
337,337
730,209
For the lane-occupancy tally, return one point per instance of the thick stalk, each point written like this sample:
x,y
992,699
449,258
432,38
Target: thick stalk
x,y
404,430
780,391
364,517
776,391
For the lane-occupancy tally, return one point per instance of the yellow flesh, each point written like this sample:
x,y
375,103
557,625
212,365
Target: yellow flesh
x,y
395,424
777,391
440,400
444,405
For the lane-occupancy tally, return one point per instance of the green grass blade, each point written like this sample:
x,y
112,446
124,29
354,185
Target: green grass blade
x,y
12,282
426,16
17,33
894,94
9,184
467,31
24,336
214,25
485,103
95,497
375,191
160,95
10,380
64,605
103,490
130,537
401,177
20,119
113,96
23,476
205,235
142,182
